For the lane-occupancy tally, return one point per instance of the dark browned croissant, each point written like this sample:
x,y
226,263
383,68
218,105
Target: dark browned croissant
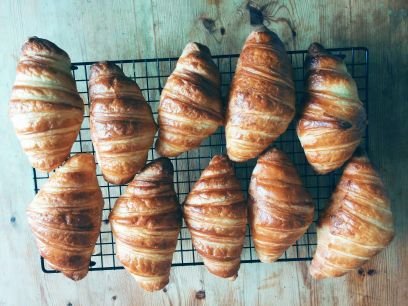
x,y
146,221
216,215
121,122
262,96
45,107
333,119
280,208
65,216
190,107
357,223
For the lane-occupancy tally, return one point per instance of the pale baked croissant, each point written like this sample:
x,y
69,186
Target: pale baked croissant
x,y
333,120
357,223
65,216
45,107
190,107
121,123
280,208
145,222
215,212
262,96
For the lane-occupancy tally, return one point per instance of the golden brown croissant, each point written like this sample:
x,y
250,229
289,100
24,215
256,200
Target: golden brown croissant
x,y
280,208
146,221
262,96
333,119
357,223
215,212
65,216
121,122
45,107
190,107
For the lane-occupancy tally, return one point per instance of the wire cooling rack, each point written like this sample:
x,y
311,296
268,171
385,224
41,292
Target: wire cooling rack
x,y
151,75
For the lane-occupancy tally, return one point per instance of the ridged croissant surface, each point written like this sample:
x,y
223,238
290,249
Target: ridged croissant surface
x,y
215,212
146,221
333,120
190,107
262,96
45,107
356,225
65,216
280,208
121,123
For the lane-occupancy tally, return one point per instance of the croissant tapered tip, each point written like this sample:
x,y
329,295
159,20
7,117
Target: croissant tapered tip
x,y
39,45
316,274
262,35
164,149
221,161
272,154
220,158
268,258
81,160
161,167
163,163
263,31
76,275
195,47
33,38
316,49
105,68
153,285
117,179
224,269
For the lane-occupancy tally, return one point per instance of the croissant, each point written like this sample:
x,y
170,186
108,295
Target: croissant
x,y
121,123
45,107
65,216
357,223
190,107
262,96
333,119
215,212
145,222
280,208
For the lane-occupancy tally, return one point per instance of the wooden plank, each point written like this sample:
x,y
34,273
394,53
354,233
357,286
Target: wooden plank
x,y
97,30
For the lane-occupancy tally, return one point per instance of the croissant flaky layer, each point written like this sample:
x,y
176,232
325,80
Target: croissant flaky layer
x,y
333,120
65,216
45,107
190,107
215,212
146,221
280,208
262,96
121,123
357,223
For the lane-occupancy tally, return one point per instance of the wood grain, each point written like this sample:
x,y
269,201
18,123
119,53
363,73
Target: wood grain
x,y
103,30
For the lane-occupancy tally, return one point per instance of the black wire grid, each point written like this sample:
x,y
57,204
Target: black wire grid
x,y
151,75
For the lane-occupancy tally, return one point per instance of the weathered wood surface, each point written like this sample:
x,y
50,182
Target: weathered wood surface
x,y
103,30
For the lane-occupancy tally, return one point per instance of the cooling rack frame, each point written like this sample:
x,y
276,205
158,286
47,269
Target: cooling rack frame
x,y
151,75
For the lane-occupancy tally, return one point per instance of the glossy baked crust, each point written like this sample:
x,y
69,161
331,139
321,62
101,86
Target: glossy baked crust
x,y
121,123
215,212
45,107
333,120
280,208
190,107
65,216
262,96
146,221
357,223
